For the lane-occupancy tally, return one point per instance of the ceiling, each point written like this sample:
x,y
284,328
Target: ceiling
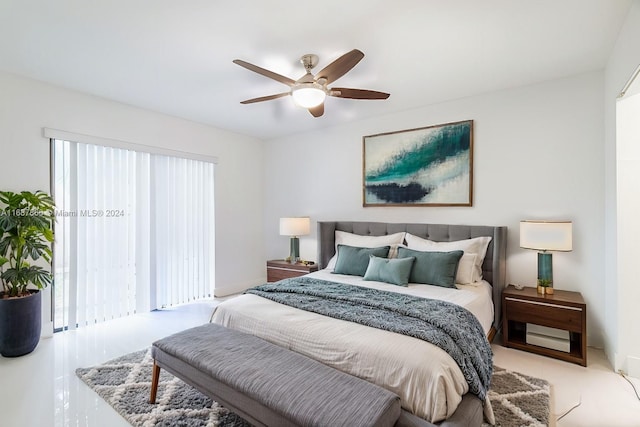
x,y
175,57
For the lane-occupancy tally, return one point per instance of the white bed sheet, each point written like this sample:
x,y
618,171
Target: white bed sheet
x,y
429,382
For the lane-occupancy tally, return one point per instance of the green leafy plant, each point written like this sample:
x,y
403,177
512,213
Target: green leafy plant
x,y
545,283
26,233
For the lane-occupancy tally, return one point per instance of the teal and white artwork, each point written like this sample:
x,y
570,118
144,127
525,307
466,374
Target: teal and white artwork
x,y
430,166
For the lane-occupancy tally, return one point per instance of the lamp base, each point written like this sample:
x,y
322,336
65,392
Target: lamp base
x,y
294,252
545,273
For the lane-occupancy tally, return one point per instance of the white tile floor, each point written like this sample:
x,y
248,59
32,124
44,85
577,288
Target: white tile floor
x,y
607,399
41,389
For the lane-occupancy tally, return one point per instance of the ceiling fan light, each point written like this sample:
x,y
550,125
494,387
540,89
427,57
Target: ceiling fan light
x,y
308,95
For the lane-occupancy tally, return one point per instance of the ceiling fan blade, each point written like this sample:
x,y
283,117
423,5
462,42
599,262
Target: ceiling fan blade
x,y
344,92
264,98
266,73
340,66
317,111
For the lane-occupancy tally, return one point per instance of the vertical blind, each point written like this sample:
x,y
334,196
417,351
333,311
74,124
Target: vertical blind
x,y
134,232
183,229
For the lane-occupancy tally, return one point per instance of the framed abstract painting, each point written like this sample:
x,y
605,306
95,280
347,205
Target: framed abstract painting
x,y
430,166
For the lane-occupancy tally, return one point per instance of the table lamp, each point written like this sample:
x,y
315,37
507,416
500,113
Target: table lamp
x,y
294,227
545,236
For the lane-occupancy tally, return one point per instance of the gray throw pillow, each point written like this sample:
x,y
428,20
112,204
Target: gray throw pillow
x,y
395,271
354,261
433,268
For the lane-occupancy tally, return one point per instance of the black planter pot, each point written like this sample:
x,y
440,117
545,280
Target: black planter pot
x,y
20,324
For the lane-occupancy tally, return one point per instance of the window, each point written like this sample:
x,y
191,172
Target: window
x,y
134,232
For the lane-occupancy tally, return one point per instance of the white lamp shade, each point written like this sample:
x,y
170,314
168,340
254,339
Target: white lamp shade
x,y
299,226
546,235
308,95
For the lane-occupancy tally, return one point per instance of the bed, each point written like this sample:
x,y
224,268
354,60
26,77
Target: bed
x,y
435,392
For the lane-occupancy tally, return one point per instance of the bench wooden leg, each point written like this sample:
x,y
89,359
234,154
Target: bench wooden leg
x,y
155,377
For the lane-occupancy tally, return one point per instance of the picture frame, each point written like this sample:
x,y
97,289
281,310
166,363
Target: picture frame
x,y
428,166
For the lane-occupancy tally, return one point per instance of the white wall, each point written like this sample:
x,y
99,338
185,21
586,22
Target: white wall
x,y
538,153
621,299
628,192
26,106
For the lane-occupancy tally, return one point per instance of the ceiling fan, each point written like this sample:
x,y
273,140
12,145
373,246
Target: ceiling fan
x,y
309,91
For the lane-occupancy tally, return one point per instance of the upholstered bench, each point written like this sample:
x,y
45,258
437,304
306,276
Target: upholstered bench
x,y
269,385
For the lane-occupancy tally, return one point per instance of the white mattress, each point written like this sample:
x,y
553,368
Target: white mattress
x,y
428,381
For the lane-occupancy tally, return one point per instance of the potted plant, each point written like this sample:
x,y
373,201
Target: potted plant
x,y
26,233
545,286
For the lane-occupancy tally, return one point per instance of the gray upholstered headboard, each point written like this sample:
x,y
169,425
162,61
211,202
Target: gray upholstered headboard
x,y
493,268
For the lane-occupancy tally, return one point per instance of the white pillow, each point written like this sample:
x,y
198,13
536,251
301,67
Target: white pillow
x,y
470,266
356,240
466,269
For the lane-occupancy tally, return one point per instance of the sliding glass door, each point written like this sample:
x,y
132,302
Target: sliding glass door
x,y
134,232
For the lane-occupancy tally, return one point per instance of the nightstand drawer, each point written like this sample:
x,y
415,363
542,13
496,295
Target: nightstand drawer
x,y
544,313
279,269
275,274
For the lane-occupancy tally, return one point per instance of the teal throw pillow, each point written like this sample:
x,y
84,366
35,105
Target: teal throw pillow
x,y
433,268
395,270
354,261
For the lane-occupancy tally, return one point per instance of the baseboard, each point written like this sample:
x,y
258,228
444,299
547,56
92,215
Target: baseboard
x,y
633,366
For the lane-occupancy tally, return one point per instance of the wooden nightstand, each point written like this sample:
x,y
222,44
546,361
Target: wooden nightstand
x,y
563,310
279,269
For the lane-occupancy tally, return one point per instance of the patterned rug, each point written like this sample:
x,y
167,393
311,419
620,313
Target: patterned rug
x,y
125,382
518,399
